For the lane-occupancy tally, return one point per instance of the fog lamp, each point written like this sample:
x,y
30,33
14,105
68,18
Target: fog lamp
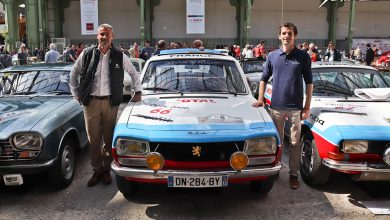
x,y
386,156
239,160
154,161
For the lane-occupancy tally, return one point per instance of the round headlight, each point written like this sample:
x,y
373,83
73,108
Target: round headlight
x,y
386,156
239,160
154,161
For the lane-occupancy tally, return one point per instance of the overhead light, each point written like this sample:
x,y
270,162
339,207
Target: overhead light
x,y
22,6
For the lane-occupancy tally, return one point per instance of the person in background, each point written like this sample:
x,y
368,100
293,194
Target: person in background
x,y
71,54
332,54
147,51
22,55
197,44
161,45
369,54
52,55
289,67
134,51
80,49
100,92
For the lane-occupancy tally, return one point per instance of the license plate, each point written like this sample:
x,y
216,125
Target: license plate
x,y
197,181
13,179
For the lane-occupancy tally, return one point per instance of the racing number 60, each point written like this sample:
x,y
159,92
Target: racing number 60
x,y
161,111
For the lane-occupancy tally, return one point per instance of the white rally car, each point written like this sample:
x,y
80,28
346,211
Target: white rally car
x,y
349,126
195,127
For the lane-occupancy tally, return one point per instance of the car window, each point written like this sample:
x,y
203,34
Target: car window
x,y
344,81
36,82
190,75
252,67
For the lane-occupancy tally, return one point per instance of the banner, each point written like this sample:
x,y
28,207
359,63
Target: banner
x,y
382,43
195,16
89,16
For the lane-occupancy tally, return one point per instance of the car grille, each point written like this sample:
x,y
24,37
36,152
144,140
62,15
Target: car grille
x,y
197,152
9,153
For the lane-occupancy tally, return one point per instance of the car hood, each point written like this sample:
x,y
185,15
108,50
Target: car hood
x,y
23,113
194,113
337,118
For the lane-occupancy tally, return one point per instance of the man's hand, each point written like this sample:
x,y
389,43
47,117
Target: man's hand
x,y
258,104
305,113
136,97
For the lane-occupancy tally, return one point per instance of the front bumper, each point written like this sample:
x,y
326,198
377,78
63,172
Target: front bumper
x,y
359,167
144,173
26,168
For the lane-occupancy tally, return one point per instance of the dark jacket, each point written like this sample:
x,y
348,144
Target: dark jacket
x,y
369,55
90,62
336,55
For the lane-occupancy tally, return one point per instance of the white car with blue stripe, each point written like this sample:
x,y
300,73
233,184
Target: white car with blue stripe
x,y
195,127
349,126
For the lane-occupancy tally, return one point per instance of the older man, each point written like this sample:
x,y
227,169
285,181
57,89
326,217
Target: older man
x,y
101,70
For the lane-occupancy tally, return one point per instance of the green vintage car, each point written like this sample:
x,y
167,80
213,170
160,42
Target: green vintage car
x,y
41,124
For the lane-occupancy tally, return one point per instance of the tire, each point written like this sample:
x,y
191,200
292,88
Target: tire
x,y
263,186
313,172
62,174
127,188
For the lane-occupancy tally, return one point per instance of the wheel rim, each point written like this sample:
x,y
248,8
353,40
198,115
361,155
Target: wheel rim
x,y
307,157
67,162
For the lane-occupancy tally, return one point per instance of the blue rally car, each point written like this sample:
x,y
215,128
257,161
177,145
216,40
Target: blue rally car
x,y
195,127
41,125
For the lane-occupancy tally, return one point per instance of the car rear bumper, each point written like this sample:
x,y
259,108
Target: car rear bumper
x,y
144,173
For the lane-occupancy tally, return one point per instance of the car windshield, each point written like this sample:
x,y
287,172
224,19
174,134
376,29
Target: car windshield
x,y
35,82
193,76
343,81
252,66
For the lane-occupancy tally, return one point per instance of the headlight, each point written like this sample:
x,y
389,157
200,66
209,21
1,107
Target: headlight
x,y
27,141
355,147
386,156
266,145
127,147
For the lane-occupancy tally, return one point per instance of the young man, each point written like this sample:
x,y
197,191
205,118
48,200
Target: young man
x,y
101,70
288,66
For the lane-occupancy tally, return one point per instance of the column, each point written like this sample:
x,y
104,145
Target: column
x,y
243,13
32,16
332,8
147,17
12,22
351,25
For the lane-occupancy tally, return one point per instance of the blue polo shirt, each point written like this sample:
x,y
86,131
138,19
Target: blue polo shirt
x,y
287,71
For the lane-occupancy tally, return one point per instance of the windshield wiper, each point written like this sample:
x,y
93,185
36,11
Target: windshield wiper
x,y
58,92
165,90
23,93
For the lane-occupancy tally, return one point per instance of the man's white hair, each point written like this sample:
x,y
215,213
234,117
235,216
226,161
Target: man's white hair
x,y
52,46
106,26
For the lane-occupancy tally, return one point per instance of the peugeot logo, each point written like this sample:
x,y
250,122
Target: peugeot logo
x,y
196,151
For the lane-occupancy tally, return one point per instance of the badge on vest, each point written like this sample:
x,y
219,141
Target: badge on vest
x,y
117,66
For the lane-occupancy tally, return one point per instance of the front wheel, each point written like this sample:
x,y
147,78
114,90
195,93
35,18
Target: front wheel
x,y
313,172
63,171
